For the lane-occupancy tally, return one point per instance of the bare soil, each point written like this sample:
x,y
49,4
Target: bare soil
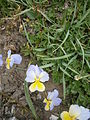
x,y
13,105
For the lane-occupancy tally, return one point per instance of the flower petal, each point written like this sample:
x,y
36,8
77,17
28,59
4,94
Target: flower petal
x,y
40,87
1,60
51,106
9,53
17,58
56,101
44,76
8,60
30,68
34,68
37,71
53,117
52,95
33,87
30,77
46,107
74,110
85,114
37,86
65,116
11,62
1,56
56,93
45,100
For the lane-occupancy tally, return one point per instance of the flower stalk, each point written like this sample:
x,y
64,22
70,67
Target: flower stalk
x,y
29,101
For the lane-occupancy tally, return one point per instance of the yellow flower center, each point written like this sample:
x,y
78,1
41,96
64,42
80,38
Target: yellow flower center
x,y
48,102
37,85
37,79
8,60
66,116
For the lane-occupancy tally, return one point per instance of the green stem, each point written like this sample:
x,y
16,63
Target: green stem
x,y
29,101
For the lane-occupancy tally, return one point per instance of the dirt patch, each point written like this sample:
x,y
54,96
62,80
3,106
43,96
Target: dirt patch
x,y
13,105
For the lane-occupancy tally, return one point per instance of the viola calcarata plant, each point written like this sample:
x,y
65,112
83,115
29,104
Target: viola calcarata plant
x,y
76,112
52,100
36,76
1,60
12,59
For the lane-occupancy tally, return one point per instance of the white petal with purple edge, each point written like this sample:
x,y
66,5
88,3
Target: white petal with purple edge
x,y
17,58
85,113
0,55
37,71
12,62
51,106
53,94
49,94
30,68
44,76
1,60
74,110
56,101
9,53
30,76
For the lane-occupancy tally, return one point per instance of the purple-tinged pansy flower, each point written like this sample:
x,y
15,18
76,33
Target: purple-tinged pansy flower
x,y
12,59
52,100
1,60
85,114
76,113
36,76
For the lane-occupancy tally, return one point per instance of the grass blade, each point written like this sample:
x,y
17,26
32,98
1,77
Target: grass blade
x,y
47,65
27,35
23,12
39,49
66,65
85,15
84,10
44,15
63,41
70,61
86,55
81,50
62,57
65,72
88,64
64,87
74,14
29,101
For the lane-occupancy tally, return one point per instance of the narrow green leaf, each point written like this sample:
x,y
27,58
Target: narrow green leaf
x,y
65,72
63,41
29,101
27,35
62,57
40,49
88,64
47,65
64,87
66,65
74,14
42,56
82,51
86,55
44,15
22,12
85,15
85,5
